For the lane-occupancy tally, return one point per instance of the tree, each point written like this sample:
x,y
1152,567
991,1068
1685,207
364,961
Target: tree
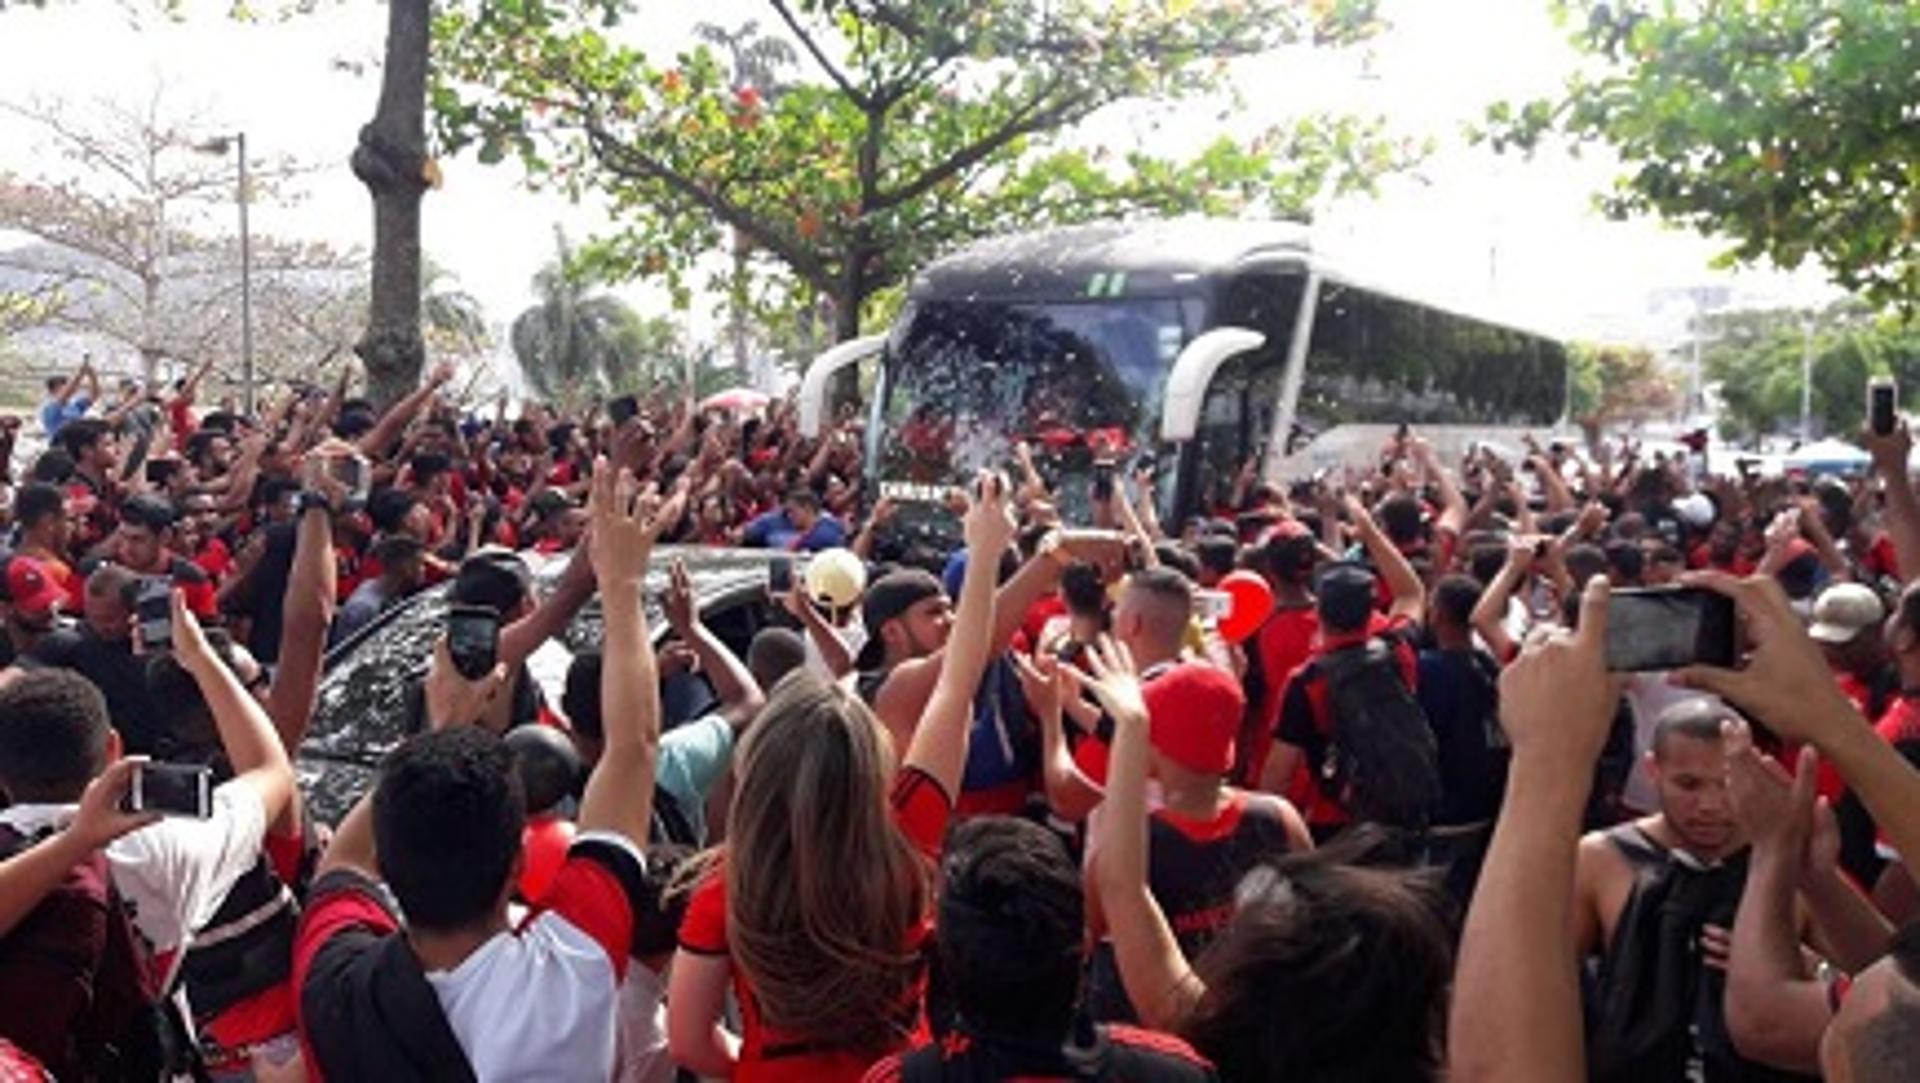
x,y
122,216
927,123
1784,125
1615,384
1757,358
576,344
391,160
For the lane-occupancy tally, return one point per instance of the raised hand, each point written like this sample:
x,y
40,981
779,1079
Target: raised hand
x,y
678,602
626,521
1111,678
452,699
1041,682
1785,682
989,522
98,819
1773,809
1557,699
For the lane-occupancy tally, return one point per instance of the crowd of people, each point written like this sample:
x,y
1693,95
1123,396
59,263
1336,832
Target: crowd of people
x,y
1331,782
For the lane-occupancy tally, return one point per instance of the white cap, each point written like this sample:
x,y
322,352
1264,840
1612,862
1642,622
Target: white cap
x,y
836,577
1844,611
1695,509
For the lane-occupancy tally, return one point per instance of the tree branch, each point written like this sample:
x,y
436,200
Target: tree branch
x,y
1027,119
857,96
622,158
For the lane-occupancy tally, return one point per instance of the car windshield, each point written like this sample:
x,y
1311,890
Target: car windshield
x,y
965,380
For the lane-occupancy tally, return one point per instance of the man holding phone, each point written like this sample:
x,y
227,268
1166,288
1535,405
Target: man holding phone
x,y
54,740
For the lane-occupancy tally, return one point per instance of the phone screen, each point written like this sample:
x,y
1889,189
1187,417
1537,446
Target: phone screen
x,y
173,790
1882,405
473,640
1669,628
153,608
351,472
780,575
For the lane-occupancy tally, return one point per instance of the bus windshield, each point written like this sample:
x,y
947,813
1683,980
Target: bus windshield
x,y
966,379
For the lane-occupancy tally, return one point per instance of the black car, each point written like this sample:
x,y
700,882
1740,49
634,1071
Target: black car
x,y
370,679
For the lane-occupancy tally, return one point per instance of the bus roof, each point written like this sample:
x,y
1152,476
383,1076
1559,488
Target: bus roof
x,y
1154,258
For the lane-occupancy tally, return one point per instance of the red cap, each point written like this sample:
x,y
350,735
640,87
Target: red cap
x,y
1195,711
30,589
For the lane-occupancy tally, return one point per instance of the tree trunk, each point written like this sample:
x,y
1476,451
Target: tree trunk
x,y
389,160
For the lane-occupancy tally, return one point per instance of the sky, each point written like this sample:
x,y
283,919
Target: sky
x,y
1510,237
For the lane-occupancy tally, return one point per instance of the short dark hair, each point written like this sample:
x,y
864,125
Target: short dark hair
x,y
547,764
389,508
53,735
1584,561
1012,917
1216,554
54,466
1627,559
1174,558
1454,598
37,501
447,818
580,698
1698,719
55,383
185,721
1886,1048
803,496
1401,518
80,434
774,653
429,464
1485,561
1083,589
1362,956
150,510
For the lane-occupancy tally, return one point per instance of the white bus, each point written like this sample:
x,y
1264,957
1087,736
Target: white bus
x,y
1190,345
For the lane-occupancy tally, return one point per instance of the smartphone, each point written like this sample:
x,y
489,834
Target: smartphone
x,y
160,471
1883,404
1212,605
780,575
153,610
351,472
623,409
1662,628
1102,481
171,789
473,639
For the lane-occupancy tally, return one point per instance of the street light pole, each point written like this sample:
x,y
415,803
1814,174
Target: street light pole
x,y
220,145
246,284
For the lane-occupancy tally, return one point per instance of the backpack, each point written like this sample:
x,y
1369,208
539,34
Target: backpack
x,y
1380,762
77,983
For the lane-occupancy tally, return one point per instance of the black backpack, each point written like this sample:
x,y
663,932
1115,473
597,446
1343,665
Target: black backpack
x,y
76,984
1380,761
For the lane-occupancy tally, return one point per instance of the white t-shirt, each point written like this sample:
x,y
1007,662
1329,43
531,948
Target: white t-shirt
x,y
173,875
854,635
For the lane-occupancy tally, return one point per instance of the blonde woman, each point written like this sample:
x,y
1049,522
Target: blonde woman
x,y
819,912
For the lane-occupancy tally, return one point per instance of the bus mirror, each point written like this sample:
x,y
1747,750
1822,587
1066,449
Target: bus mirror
x,y
813,386
1192,371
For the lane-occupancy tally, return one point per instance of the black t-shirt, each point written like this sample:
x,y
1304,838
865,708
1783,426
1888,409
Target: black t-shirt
x,y
120,676
1459,693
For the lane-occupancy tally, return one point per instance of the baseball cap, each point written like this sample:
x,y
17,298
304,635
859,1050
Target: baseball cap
x,y
1195,711
1695,510
30,589
889,596
1844,611
1345,593
836,577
